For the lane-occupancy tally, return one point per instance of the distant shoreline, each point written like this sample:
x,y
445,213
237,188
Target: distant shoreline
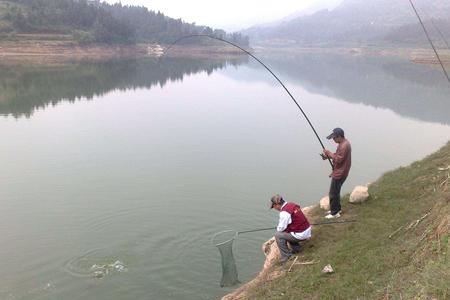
x,y
415,55
60,51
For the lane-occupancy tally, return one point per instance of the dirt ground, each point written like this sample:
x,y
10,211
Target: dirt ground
x,y
60,51
48,52
415,55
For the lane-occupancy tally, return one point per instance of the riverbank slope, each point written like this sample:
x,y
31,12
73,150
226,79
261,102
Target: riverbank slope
x,y
398,248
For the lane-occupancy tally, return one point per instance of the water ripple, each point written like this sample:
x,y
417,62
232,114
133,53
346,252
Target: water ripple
x,y
94,263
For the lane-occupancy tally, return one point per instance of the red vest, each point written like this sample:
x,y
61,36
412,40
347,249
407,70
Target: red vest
x,y
299,222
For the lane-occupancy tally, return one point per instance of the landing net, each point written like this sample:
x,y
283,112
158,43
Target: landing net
x,y
224,242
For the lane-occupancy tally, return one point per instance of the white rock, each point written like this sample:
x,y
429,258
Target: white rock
x,y
328,269
359,194
325,203
155,49
272,253
308,210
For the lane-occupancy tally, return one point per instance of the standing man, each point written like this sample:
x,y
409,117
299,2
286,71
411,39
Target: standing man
x,y
342,161
293,227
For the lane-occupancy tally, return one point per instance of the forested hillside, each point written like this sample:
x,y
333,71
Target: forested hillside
x,y
94,21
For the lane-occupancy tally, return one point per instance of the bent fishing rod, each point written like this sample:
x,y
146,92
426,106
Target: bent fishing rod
x,y
266,67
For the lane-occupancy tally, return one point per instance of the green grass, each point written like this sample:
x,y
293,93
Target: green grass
x,y
412,264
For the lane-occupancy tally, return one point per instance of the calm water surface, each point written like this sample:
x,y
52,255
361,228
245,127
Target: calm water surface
x,y
141,162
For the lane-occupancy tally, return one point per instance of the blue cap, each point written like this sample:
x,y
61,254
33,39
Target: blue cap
x,y
336,133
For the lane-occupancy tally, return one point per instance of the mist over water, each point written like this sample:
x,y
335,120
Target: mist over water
x,y
128,168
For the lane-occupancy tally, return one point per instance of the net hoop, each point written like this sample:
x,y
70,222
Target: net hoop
x,y
215,236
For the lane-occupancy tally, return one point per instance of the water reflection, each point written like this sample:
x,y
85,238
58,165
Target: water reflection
x,y
142,179
27,88
411,90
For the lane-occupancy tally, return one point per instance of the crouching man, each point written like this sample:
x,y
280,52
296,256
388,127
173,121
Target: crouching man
x,y
292,229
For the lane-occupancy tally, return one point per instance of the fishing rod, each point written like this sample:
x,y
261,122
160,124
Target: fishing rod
x,y
437,29
440,33
430,41
315,224
266,67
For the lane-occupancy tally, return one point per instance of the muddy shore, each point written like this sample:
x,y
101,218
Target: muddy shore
x,y
53,52
415,55
50,52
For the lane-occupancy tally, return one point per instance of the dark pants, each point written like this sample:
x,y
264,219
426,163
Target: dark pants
x,y
283,239
335,195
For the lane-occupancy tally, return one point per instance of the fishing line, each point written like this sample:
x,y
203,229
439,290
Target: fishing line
x,y
266,67
430,41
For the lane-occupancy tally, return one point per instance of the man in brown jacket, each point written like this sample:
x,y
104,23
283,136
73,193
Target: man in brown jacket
x,y
342,161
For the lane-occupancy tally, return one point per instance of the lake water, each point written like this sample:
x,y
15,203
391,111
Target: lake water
x,y
139,163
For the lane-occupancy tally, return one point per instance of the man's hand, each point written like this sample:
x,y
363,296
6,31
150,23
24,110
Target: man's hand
x,y
327,153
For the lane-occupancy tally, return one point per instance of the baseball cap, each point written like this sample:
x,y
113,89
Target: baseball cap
x,y
336,132
277,199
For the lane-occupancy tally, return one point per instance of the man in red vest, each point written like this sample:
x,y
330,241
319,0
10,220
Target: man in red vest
x,y
293,227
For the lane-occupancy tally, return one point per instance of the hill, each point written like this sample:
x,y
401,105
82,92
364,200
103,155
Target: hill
x,y
92,21
361,22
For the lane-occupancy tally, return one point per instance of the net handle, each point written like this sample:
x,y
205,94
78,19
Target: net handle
x,y
255,230
236,233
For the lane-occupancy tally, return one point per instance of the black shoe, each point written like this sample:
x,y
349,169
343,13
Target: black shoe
x,y
283,261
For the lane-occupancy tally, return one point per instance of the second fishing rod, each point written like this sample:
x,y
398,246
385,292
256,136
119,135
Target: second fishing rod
x,y
313,224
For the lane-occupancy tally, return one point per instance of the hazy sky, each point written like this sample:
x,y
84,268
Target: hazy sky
x,y
229,14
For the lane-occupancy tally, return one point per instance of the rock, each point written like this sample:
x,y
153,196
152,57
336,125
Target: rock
x,y
328,269
307,211
325,203
155,50
359,194
271,252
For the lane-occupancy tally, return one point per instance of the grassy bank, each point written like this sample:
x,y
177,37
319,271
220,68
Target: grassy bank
x,y
398,249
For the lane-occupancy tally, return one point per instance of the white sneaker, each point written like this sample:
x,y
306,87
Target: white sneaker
x,y
329,212
330,216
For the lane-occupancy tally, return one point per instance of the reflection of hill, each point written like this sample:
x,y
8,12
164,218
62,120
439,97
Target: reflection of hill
x,y
415,91
25,89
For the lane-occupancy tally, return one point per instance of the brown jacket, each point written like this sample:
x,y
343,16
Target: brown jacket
x,y
342,160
